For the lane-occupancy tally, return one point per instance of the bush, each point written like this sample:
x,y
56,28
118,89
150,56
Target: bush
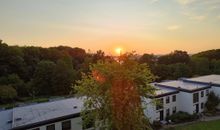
x,y
212,103
156,125
7,93
180,117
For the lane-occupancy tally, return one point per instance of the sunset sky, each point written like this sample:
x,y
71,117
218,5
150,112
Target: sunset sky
x,y
146,26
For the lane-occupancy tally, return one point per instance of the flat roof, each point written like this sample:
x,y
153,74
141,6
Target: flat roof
x,y
213,79
182,85
163,91
5,118
36,114
45,111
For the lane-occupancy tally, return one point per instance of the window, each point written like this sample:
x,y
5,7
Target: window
x,y
202,93
159,104
174,110
167,112
36,129
207,92
66,125
202,105
195,97
51,127
174,98
167,99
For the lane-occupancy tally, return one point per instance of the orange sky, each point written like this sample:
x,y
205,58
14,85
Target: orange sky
x,y
144,26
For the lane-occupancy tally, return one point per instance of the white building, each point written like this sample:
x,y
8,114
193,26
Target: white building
x,y
55,115
186,94
166,100
191,95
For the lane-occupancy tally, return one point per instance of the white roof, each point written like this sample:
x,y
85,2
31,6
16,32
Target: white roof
x,y
182,85
207,79
5,116
162,90
28,115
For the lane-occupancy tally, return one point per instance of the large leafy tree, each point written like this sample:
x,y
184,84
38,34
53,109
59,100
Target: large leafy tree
x,y
113,94
64,76
175,57
7,93
42,83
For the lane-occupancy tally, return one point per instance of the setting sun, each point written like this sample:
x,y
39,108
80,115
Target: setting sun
x,y
118,50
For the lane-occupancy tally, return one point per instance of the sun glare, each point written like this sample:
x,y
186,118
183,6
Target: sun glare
x,y
118,51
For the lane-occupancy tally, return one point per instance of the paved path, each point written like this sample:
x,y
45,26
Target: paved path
x,y
210,118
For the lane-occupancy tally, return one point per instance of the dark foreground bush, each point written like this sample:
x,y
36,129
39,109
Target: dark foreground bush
x,y
180,117
156,125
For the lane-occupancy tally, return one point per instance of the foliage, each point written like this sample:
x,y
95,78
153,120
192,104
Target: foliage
x,y
156,125
175,57
200,65
212,102
43,76
215,66
149,59
7,93
63,77
19,67
210,54
181,117
14,81
113,92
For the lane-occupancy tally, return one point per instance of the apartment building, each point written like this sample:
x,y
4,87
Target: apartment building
x,y
186,94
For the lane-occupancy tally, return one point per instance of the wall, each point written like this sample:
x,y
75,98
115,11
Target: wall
x,y
185,102
153,114
76,124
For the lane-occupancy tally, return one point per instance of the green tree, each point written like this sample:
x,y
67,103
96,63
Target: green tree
x,y
113,92
7,93
14,81
215,66
200,65
42,81
175,57
163,72
180,70
63,77
150,59
212,102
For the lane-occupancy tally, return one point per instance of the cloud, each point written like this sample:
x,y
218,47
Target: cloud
x,y
198,18
218,17
185,2
173,27
154,1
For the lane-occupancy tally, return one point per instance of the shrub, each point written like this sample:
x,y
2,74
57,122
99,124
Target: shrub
x,y
180,117
156,125
7,93
212,103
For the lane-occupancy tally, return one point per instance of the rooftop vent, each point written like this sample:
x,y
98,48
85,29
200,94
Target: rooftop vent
x,y
74,107
9,121
18,119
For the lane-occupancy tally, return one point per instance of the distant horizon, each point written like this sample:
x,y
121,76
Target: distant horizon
x,y
113,54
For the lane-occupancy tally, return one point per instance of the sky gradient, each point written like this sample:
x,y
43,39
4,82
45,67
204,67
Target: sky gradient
x,y
145,26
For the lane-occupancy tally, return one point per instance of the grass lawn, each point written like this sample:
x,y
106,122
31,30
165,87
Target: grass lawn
x,y
211,125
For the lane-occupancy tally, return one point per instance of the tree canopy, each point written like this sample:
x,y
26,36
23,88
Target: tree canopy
x,y
37,71
113,92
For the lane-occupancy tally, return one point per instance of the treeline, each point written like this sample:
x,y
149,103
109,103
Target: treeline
x,y
180,64
37,71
